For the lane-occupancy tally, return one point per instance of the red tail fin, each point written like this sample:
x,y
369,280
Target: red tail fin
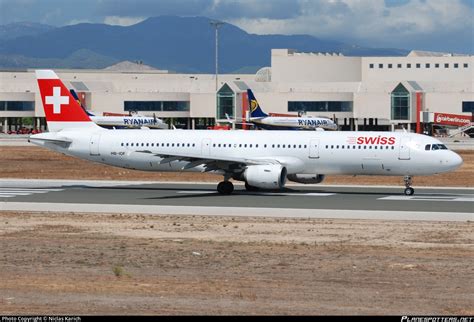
x,y
60,108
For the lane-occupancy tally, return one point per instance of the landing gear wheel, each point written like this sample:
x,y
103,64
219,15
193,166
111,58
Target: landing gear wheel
x,y
249,187
225,187
409,191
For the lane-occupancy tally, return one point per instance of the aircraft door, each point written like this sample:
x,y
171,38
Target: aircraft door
x,y
94,144
314,149
206,147
404,150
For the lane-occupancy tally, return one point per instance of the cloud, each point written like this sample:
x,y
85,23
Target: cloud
x,y
122,21
376,23
403,24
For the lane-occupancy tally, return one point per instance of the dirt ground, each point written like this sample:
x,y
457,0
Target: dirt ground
x,y
120,264
53,263
40,163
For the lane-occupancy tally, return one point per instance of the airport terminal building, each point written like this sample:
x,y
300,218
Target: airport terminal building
x,y
362,93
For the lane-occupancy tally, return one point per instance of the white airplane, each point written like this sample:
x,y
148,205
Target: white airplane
x,y
262,120
134,121
262,159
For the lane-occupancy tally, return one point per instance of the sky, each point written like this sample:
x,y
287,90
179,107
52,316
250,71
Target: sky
x,y
437,25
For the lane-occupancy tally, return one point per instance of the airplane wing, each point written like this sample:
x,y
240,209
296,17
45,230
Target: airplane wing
x,y
230,164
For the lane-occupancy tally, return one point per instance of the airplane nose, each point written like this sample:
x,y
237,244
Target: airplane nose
x,y
455,161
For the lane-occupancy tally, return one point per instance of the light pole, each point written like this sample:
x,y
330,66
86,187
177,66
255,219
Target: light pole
x,y
217,24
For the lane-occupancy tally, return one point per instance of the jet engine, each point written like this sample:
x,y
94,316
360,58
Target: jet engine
x,y
306,178
271,176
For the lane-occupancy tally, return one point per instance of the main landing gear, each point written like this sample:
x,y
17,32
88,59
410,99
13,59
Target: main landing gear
x,y
409,191
225,187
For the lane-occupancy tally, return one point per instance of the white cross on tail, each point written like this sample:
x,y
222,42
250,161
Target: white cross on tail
x,y
57,100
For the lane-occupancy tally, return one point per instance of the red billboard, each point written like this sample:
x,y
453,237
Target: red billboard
x,y
452,119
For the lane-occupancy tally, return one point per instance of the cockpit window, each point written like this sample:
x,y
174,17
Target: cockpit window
x,y
437,147
428,147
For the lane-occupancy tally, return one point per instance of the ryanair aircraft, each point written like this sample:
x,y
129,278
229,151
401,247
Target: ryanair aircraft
x,y
134,121
262,120
262,159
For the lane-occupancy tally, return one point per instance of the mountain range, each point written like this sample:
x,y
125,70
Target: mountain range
x,y
181,44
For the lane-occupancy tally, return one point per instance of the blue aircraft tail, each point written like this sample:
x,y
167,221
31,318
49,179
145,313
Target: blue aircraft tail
x,y
255,110
74,94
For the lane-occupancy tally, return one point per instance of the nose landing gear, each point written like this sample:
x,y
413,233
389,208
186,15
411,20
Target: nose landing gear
x,y
409,191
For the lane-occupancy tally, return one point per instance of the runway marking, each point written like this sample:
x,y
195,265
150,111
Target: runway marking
x,y
309,194
15,192
428,198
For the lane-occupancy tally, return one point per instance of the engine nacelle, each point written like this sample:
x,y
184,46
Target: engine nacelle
x,y
306,178
271,176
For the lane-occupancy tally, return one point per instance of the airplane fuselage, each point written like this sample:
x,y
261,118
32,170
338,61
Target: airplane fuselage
x,y
302,152
294,123
128,122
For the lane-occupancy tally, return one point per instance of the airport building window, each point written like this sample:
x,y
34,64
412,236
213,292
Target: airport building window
x,y
468,107
427,65
17,106
446,65
418,65
225,102
436,65
156,106
399,65
371,65
389,65
456,65
400,101
380,65
408,65
320,106
465,65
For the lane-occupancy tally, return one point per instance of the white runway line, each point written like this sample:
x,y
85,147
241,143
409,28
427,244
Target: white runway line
x,y
312,194
238,211
427,198
13,192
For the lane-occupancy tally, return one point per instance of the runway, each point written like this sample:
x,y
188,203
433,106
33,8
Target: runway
x,y
315,201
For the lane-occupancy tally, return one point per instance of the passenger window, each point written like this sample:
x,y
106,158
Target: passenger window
x,y
245,145
143,144
427,147
305,146
250,145
332,146
283,146
219,145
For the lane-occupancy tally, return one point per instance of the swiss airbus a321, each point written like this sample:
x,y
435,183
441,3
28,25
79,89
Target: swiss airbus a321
x,y
262,159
